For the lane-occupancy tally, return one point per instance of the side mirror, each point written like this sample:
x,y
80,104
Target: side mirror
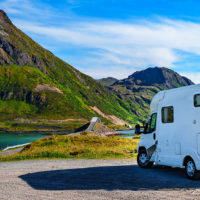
x,y
137,129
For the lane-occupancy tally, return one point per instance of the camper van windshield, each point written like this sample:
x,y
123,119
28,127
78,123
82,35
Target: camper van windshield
x,y
151,125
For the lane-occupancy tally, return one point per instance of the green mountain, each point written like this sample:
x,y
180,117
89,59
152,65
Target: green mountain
x,y
140,87
36,84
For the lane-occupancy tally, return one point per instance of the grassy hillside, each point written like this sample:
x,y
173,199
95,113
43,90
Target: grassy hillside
x,y
76,147
35,83
28,93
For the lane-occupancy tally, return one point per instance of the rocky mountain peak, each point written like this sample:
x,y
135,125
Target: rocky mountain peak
x,y
18,48
4,18
156,76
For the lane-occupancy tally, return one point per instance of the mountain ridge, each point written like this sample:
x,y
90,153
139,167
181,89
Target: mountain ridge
x,y
140,87
156,76
25,66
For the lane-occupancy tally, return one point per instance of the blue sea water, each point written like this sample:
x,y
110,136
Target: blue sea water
x,y
12,139
127,133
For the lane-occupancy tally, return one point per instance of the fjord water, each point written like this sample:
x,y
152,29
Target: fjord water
x,y
12,139
127,133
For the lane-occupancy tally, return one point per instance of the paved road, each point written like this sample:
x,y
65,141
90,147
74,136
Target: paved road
x,y
92,180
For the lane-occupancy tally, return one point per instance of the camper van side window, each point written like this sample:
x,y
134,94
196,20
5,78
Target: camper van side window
x,y
197,100
167,114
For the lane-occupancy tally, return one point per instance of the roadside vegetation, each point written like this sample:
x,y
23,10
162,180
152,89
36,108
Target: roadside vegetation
x,y
78,147
40,125
31,125
119,127
63,93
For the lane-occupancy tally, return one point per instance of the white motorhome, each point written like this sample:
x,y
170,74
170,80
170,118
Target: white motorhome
x,y
172,134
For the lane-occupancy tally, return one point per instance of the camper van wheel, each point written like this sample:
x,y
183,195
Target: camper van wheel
x,y
143,160
190,170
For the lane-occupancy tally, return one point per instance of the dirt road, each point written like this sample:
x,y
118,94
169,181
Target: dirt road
x,y
92,180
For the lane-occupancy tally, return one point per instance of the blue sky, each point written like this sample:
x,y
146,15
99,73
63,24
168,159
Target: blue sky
x,y
114,37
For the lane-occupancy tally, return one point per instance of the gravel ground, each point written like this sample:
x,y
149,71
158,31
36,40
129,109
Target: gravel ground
x,y
9,152
92,180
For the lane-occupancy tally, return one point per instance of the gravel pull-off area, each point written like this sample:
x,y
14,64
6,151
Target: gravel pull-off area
x,y
10,152
92,180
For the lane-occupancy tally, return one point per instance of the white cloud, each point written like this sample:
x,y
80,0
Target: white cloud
x,y
117,48
16,6
194,76
126,44
27,9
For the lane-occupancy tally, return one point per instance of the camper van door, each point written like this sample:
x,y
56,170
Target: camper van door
x,y
166,144
150,135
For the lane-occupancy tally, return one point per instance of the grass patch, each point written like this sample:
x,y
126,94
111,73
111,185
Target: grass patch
x,y
78,147
118,127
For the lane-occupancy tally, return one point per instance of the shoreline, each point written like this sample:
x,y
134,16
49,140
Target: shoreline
x,y
38,131
130,129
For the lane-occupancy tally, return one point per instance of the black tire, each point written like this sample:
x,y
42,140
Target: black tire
x,y
143,160
191,171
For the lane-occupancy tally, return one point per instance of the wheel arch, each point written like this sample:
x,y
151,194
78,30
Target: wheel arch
x,y
186,158
141,148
